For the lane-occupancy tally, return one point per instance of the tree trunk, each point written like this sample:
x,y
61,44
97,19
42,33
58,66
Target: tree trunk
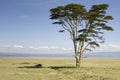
x,y
77,62
78,59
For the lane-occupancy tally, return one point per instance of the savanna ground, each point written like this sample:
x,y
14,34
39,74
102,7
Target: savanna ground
x,y
59,69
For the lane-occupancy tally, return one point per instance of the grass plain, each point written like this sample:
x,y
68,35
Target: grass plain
x,y
59,69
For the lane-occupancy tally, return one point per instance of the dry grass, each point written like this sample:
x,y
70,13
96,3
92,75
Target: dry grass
x,y
59,69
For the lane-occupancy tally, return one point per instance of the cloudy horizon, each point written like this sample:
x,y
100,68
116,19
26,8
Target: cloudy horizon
x,y
53,49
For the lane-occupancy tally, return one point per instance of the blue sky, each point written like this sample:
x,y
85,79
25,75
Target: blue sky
x,y
25,26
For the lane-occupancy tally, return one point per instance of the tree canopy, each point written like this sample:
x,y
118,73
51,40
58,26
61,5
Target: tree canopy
x,y
86,27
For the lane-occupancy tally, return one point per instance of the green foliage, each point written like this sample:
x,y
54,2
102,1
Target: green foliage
x,y
68,16
96,19
70,11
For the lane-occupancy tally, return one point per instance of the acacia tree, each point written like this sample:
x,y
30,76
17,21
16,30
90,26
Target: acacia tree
x,y
85,27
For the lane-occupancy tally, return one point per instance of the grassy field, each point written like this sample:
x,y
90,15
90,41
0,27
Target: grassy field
x,y
59,69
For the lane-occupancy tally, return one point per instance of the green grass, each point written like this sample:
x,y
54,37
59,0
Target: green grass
x,y
59,69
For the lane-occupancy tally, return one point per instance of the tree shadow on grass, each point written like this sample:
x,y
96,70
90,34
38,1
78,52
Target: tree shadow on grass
x,y
61,67
35,66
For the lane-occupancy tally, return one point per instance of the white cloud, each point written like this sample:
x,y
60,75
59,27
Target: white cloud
x,y
108,48
50,49
40,47
67,49
24,16
34,49
18,46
